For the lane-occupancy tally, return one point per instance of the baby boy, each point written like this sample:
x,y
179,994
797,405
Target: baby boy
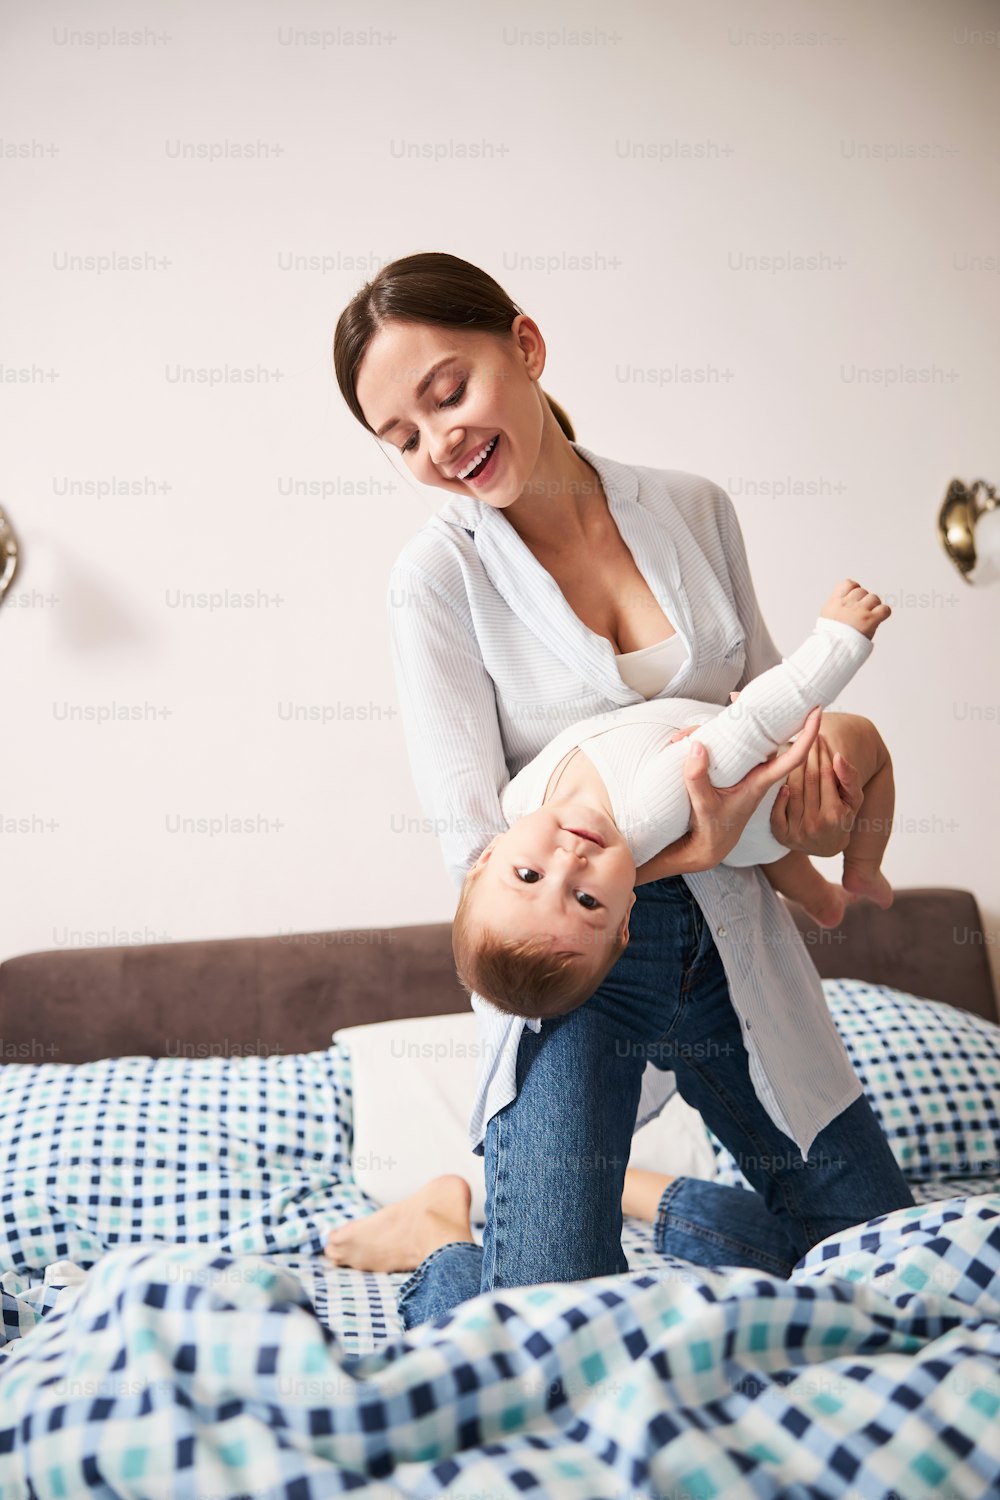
x,y
543,914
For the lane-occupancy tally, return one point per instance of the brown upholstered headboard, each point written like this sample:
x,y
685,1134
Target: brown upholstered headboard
x,y
233,996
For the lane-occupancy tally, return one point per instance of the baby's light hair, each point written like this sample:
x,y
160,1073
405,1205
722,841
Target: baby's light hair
x,y
522,976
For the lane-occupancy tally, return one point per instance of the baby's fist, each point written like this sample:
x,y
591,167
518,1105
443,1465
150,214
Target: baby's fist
x,y
856,606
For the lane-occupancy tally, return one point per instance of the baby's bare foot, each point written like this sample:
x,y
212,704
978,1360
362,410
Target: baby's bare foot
x,y
855,606
399,1236
828,906
864,878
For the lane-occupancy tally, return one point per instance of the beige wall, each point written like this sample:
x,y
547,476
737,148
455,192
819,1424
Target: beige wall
x,y
628,185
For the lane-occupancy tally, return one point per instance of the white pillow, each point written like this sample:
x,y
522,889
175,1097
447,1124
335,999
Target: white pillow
x,y
413,1083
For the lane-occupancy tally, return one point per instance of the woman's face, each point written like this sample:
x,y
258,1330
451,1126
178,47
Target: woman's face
x,y
481,389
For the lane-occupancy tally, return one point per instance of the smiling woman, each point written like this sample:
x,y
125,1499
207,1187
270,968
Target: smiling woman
x,y
435,292
508,610
465,419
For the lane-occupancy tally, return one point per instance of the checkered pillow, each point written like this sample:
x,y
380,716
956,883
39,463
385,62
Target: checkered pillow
x,y
930,1072
251,1153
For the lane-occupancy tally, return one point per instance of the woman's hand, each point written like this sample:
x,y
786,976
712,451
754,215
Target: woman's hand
x,y
720,814
816,811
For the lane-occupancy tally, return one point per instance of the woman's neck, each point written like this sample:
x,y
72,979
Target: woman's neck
x,y
564,511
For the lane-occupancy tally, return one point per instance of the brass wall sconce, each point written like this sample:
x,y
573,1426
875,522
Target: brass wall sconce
x,y
8,553
963,507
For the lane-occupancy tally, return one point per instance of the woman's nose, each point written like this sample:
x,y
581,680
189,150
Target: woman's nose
x,y
444,449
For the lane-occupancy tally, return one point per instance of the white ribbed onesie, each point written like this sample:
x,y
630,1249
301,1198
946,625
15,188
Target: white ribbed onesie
x,y
644,776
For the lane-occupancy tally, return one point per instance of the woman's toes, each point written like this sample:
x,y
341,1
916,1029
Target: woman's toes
x,y
333,1242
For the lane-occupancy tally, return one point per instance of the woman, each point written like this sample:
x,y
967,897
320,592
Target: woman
x,y
548,588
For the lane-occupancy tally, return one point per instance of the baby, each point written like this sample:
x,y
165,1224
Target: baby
x,y
543,913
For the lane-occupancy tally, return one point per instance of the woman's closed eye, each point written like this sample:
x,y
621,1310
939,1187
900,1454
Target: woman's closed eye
x,y
452,400
528,876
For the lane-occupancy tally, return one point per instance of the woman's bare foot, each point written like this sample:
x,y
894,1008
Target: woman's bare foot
x,y
855,606
399,1236
642,1193
862,877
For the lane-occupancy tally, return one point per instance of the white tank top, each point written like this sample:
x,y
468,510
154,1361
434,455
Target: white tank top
x,y
649,669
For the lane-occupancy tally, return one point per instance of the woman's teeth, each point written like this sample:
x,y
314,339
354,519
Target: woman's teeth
x,y
478,461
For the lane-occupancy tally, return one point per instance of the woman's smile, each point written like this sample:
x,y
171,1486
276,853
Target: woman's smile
x,y
487,465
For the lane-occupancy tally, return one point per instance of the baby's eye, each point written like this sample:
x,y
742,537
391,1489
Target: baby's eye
x,y
587,900
526,873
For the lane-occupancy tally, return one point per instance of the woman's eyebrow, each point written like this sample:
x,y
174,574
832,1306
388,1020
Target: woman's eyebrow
x,y
419,391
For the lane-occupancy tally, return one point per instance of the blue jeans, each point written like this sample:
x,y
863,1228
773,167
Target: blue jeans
x,y
555,1156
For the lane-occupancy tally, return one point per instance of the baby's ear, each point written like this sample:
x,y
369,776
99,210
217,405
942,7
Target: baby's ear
x,y
628,913
485,853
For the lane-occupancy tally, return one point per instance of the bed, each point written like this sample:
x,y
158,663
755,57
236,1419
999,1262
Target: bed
x,y
177,1132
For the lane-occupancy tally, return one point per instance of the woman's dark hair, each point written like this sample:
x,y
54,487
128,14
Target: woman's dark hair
x,y
430,287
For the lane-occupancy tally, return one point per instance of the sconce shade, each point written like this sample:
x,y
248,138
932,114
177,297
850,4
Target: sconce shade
x,y
9,554
964,506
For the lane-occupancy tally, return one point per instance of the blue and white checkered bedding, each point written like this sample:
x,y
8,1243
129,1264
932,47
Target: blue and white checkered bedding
x,y
243,1363
873,1371
931,1073
247,1153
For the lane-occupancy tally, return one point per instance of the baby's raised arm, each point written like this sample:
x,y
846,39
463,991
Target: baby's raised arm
x,y
774,705
770,708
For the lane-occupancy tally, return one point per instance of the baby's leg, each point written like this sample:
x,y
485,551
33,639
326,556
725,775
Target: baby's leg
x,y
859,741
776,703
797,877
772,706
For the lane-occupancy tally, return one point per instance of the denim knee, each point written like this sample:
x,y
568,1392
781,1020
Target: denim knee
x,y
408,1298
714,1225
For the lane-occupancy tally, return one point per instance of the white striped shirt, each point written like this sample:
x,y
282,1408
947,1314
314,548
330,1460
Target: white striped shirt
x,y
491,663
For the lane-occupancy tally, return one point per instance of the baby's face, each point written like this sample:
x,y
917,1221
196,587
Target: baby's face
x,y
544,875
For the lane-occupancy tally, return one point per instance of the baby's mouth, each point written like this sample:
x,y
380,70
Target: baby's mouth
x,y
585,833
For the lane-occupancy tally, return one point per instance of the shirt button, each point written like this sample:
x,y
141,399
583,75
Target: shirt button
x,y
722,932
